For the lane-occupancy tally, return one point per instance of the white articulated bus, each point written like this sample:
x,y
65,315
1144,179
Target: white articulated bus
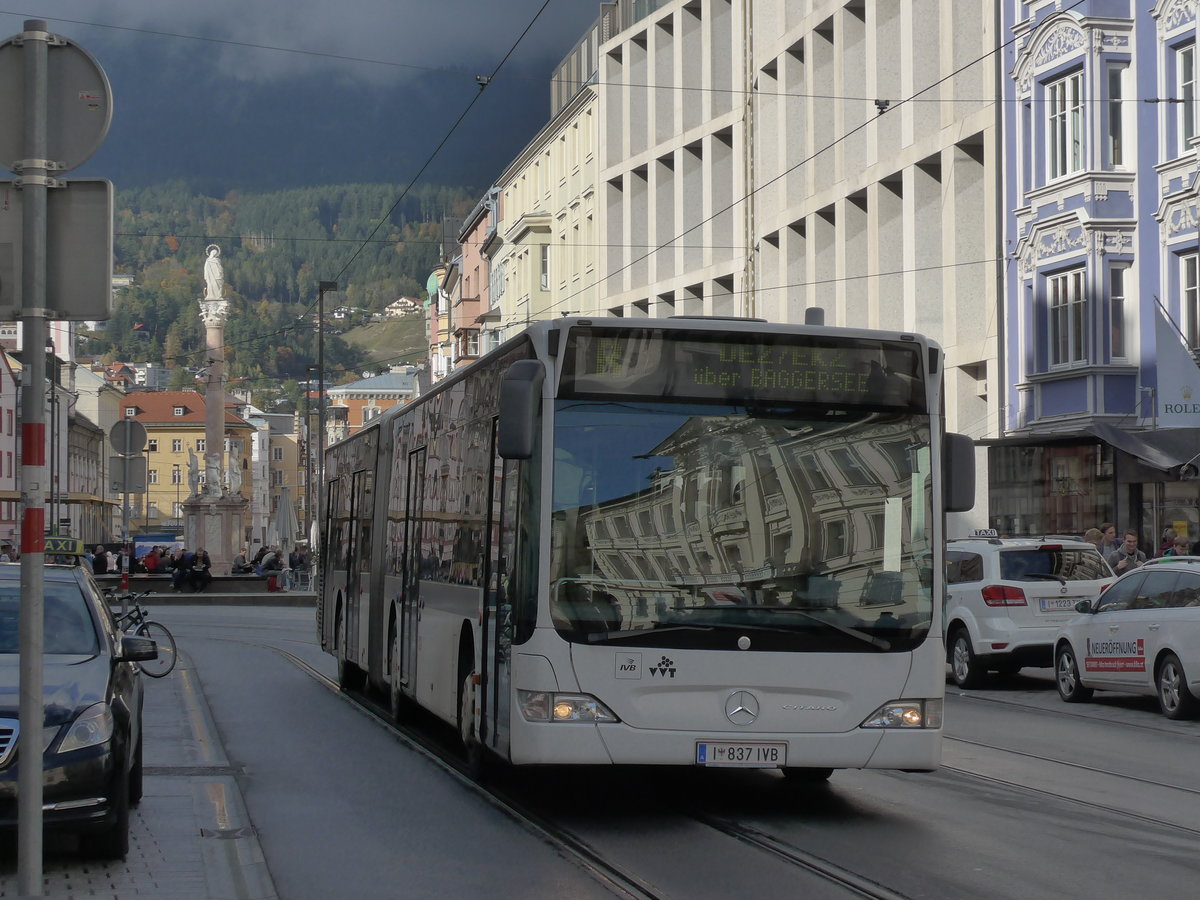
x,y
685,541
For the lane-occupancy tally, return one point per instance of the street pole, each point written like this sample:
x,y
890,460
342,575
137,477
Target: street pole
x,y
176,513
308,453
322,288
31,711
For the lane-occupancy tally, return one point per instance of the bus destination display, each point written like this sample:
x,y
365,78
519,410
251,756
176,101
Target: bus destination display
x,y
787,368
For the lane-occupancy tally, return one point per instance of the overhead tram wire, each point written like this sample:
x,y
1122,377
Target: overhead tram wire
x,y
788,171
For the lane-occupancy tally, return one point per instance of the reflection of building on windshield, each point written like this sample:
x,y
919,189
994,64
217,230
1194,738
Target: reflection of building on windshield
x,y
760,503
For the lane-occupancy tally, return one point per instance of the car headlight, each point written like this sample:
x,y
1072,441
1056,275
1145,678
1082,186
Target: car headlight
x,y
906,714
91,727
548,706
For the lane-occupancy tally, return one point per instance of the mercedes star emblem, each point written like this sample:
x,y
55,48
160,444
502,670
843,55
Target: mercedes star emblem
x,y
741,708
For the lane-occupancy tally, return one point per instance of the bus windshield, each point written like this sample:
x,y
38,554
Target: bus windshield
x,y
795,528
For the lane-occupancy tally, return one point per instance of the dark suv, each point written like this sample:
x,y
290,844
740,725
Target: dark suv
x,y
91,736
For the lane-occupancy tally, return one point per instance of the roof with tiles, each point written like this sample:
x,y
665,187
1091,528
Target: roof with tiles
x,y
161,408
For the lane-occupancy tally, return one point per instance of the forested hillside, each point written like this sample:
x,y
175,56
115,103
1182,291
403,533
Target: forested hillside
x,y
275,248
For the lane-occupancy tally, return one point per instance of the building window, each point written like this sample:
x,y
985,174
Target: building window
x,y
369,413
130,412
1068,318
200,444
1115,150
1116,310
1064,99
277,454
152,476
1185,91
178,411
176,510
851,468
545,282
1189,282
177,445
835,539
177,475
152,445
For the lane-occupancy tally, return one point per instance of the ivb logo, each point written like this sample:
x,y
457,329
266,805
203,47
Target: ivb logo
x,y
628,665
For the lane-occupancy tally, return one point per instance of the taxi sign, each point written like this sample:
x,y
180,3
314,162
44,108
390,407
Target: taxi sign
x,y
985,532
64,550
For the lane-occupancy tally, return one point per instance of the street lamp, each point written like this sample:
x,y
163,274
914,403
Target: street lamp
x,y
322,288
308,452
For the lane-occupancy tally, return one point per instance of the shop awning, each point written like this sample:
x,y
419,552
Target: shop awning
x,y
1164,448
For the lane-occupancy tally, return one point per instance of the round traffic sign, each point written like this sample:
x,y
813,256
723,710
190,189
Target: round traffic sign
x,y
78,102
128,436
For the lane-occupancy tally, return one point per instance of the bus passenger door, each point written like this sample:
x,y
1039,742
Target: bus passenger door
x,y
410,597
358,502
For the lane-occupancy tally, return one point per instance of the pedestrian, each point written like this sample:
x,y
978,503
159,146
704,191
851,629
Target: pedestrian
x,y
151,560
199,573
1167,542
6,553
272,566
1095,537
241,564
100,564
1181,547
1128,557
1110,542
181,562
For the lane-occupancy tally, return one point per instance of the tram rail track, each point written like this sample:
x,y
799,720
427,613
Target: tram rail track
x,y
571,846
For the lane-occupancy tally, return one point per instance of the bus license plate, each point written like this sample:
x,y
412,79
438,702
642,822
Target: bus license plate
x,y
740,753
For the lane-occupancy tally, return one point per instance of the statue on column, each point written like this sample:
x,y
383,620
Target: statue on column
x,y
193,473
212,474
214,274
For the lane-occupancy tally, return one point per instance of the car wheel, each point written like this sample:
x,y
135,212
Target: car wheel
x,y
113,842
135,775
1174,698
964,665
1066,676
806,776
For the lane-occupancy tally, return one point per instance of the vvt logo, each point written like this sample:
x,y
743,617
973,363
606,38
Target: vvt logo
x,y
665,668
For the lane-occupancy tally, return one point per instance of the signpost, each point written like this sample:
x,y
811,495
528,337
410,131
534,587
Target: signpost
x,y
55,106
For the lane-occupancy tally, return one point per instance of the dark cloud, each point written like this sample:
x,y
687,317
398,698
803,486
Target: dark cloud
x,y
224,114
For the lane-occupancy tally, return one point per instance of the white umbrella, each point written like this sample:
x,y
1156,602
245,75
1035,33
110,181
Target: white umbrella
x,y
284,523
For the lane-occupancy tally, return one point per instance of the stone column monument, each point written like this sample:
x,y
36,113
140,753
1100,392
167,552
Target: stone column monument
x,y
214,513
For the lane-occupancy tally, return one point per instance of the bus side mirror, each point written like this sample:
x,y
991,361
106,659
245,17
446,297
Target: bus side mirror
x,y
520,402
958,467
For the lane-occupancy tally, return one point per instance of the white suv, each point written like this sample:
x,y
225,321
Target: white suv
x,y
1006,599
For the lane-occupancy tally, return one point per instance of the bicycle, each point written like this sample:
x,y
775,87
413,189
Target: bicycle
x,y
137,619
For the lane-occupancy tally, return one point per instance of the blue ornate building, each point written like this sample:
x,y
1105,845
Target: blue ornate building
x,y
1102,287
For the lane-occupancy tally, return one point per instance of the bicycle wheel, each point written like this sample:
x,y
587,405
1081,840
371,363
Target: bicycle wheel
x,y
165,661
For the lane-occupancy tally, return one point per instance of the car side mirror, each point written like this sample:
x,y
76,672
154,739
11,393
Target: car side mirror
x,y
137,649
1083,606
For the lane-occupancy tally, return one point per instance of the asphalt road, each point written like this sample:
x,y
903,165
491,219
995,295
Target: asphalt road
x,y
1035,799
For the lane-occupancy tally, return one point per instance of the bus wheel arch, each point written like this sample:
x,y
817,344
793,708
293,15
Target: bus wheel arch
x,y
474,752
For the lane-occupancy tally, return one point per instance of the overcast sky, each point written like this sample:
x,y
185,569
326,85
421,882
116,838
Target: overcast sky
x,y
376,82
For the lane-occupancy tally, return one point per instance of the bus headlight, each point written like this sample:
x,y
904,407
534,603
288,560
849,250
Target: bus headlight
x,y
547,706
906,714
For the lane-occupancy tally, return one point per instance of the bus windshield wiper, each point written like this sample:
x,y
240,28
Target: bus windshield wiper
x,y
844,629
876,642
